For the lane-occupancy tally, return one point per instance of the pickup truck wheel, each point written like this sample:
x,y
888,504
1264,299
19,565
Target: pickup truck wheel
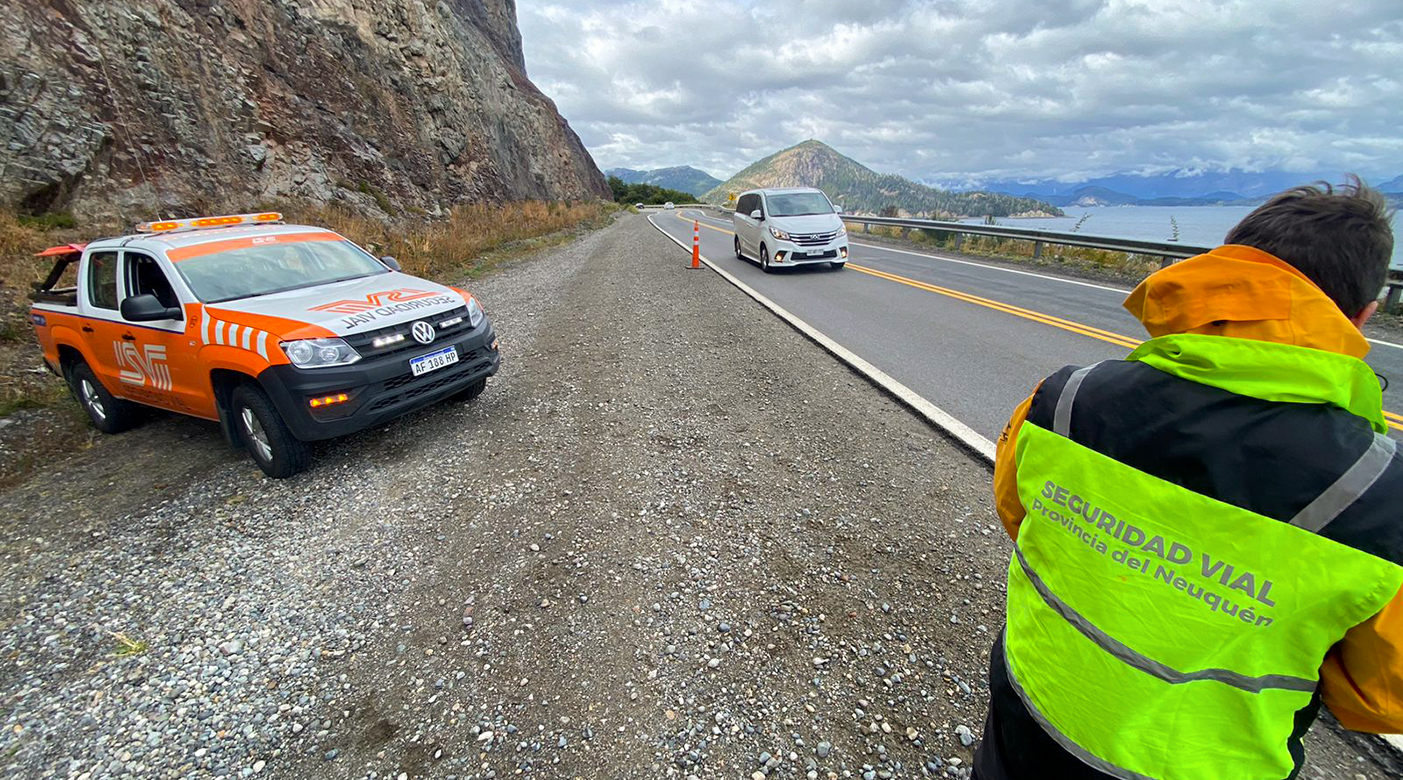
x,y
471,391
106,412
264,434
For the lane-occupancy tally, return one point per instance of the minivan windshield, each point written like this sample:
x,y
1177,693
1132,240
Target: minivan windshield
x,y
273,268
799,204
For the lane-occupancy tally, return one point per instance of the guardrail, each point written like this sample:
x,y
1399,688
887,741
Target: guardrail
x,y
1167,251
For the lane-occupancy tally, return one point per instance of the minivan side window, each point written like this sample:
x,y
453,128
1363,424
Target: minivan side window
x,y
743,205
102,280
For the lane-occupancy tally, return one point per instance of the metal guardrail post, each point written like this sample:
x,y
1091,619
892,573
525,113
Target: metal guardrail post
x,y
905,233
1395,291
1037,250
866,228
959,241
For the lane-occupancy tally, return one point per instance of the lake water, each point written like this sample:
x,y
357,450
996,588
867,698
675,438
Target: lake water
x,y
1198,225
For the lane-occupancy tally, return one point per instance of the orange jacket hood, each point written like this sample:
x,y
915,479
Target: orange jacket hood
x,y
1242,292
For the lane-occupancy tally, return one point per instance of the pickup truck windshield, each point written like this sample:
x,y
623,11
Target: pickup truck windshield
x,y
799,204
272,268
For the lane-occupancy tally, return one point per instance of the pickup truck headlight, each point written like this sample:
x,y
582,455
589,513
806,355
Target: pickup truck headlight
x,y
319,353
475,313
780,234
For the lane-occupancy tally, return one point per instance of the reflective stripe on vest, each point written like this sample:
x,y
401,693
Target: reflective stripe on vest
x,y
1158,633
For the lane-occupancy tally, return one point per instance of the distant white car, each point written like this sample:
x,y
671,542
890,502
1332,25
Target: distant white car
x,y
638,205
669,205
790,226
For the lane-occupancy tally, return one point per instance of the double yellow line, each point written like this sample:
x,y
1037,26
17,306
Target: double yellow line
x,y
1394,421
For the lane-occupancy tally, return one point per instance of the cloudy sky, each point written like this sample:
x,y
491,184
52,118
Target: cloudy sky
x,y
942,90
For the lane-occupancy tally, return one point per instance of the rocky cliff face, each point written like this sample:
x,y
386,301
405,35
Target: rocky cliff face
x,y
124,107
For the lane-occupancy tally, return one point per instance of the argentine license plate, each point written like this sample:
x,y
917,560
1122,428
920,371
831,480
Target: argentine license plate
x,y
433,361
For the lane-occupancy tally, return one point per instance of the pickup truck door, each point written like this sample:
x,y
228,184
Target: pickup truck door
x,y
99,291
157,361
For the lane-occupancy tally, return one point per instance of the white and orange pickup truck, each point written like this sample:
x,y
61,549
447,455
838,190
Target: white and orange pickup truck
x,y
284,334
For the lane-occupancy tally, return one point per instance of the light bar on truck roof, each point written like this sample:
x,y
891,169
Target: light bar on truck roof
x,y
204,223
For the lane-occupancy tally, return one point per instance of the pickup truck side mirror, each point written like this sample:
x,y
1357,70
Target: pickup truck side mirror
x,y
148,308
391,262
757,214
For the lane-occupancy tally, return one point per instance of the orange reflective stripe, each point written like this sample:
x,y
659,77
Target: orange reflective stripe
x,y
229,245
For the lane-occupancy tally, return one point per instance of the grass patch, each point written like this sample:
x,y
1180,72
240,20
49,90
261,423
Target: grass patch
x,y
58,220
126,646
469,241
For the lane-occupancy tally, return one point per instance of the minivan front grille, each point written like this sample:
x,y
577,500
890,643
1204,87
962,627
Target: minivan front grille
x,y
813,239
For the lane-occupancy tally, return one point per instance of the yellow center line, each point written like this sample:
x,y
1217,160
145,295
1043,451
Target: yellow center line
x,y
1394,421
1028,314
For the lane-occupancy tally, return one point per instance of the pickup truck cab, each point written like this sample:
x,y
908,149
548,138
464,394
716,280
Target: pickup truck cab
x,y
284,334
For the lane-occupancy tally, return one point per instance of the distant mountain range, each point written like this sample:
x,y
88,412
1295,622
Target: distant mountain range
x,y
684,178
862,190
1174,188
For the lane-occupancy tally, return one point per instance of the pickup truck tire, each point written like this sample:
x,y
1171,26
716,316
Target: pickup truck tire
x,y
266,437
471,391
105,411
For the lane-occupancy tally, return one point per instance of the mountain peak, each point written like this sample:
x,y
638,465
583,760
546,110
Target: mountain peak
x,y
858,188
684,178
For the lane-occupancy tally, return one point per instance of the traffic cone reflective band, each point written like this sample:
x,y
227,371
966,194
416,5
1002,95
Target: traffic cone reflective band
x,y
696,244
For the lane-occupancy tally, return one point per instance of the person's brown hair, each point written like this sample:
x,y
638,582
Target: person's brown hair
x,y
1339,237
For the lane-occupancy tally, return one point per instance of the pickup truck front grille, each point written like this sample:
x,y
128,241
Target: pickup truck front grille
x,y
364,342
408,387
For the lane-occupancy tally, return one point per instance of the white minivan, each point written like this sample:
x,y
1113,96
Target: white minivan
x,y
789,226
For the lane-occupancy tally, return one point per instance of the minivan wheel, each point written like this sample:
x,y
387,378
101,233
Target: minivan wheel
x,y
264,434
765,259
105,411
739,256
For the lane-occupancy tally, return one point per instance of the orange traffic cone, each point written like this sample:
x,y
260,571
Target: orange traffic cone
x,y
696,244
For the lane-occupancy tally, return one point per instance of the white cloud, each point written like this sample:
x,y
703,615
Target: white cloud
x,y
939,89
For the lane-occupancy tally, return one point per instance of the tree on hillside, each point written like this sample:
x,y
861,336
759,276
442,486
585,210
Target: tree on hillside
x,y
647,194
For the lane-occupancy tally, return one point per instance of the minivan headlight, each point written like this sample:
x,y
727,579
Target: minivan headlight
x,y
780,234
319,353
842,230
475,313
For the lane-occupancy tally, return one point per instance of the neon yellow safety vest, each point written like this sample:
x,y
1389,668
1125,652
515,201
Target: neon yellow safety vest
x,y
1157,633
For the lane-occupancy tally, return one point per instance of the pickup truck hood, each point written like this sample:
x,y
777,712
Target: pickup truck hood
x,y
368,303
809,223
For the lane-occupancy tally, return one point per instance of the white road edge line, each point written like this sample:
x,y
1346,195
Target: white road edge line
x,y
1079,283
933,414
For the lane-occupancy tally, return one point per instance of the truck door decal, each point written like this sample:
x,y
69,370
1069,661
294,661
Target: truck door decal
x,y
137,367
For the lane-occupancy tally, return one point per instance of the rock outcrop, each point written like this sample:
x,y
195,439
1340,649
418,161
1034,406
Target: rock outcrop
x,y
129,107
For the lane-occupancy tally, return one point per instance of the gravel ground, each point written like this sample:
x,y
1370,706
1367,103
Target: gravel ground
x,y
672,539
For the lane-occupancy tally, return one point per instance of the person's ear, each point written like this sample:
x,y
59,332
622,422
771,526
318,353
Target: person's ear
x,y
1364,315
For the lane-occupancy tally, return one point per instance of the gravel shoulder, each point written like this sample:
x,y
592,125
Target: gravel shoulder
x,y
672,539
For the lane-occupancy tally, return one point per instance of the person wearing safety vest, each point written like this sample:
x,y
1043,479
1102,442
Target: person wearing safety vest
x,y
1208,534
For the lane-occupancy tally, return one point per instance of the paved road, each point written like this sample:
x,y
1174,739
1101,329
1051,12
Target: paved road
x,y
972,338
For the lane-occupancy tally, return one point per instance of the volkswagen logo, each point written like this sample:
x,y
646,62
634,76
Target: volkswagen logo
x,y
423,332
